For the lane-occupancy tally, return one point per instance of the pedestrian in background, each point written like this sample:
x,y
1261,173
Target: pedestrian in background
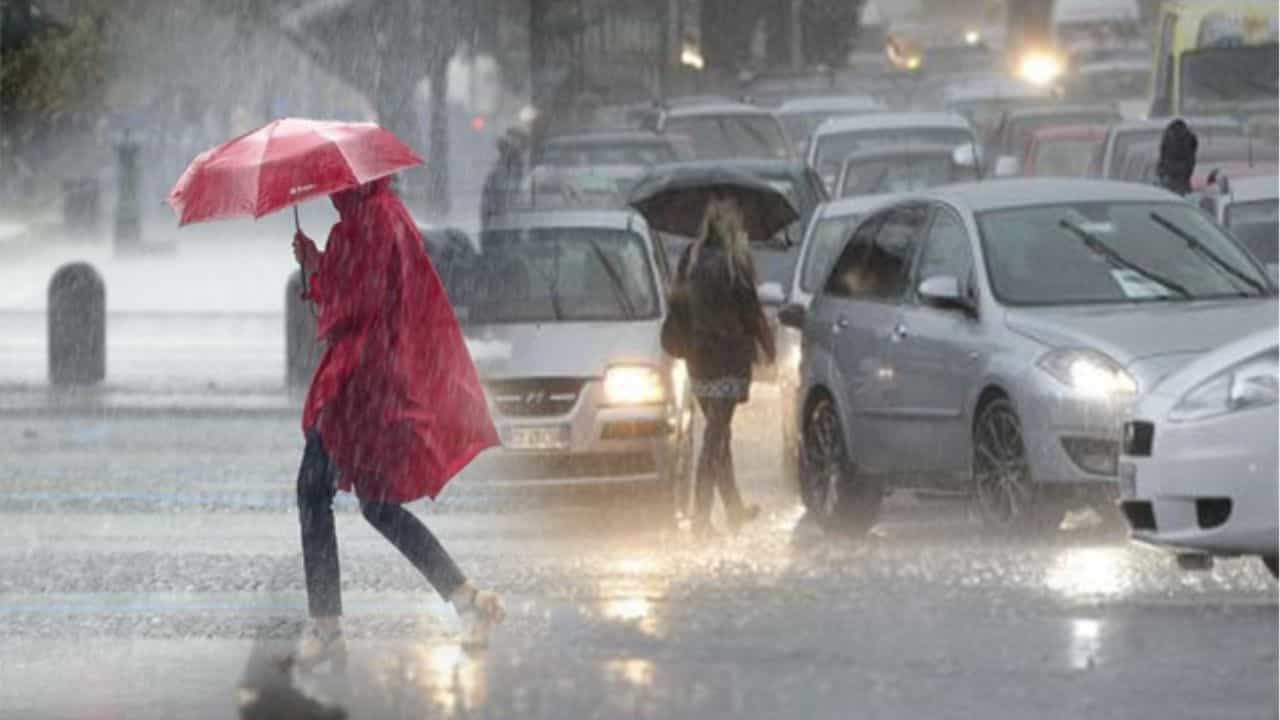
x,y
502,185
716,277
1177,161
394,410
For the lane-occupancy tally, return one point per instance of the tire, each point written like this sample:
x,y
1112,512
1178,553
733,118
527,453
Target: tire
x,y
832,492
1006,498
1272,564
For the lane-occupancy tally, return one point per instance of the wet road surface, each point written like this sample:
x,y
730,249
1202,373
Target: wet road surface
x,y
150,568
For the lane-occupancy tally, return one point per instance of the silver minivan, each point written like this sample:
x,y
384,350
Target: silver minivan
x,y
988,340
563,312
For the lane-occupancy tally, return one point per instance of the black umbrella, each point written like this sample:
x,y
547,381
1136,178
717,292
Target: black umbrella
x,y
674,199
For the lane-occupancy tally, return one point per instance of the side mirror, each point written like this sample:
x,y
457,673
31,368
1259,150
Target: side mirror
x,y
944,291
1006,166
771,293
965,156
792,316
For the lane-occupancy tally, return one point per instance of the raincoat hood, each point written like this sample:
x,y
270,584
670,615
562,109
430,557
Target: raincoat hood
x,y
348,201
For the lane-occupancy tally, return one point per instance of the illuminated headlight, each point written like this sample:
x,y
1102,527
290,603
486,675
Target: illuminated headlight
x,y
1089,373
1251,383
972,37
633,385
1039,68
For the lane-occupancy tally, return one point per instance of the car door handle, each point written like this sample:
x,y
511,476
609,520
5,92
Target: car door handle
x,y
839,325
899,333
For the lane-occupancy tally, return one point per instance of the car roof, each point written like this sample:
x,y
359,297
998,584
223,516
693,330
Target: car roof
x,y
716,108
855,205
1076,131
1249,189
1113,64
993,87
1039,111
539,219
892,120
605,137
1026,192
829,103
754,166
1216,122
901,150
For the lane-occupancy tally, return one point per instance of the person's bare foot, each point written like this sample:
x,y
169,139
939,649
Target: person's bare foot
x,y
480,611
744,516
321,643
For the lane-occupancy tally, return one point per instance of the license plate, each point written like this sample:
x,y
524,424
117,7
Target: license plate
x,y
536,438
1128,480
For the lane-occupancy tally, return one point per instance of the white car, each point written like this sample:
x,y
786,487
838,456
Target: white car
x,y
837,137
1199,473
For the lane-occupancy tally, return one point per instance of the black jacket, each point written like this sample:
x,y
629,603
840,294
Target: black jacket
x,y
725,315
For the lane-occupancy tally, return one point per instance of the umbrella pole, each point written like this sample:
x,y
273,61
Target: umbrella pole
x,y
302,270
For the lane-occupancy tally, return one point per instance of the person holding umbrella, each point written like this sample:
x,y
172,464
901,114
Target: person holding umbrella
x,y
715,321
716,278
395,408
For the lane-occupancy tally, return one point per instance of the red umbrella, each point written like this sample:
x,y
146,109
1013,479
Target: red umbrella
x,y
282,164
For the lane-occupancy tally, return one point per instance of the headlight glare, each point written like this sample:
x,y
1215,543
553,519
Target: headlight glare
x,y
633,385
1253,382
1089,373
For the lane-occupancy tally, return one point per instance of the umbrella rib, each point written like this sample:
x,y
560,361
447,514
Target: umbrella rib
x,y
257,177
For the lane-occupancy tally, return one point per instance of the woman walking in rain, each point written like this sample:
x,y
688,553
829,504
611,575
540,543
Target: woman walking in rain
x,y
717,278
394,411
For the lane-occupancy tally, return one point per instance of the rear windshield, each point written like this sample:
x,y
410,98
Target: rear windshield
x,y
628,152
833,149
719,137
901,174
1063,158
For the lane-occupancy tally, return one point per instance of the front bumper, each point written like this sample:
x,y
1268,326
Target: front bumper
x,y
590,443
1208,486
1071,439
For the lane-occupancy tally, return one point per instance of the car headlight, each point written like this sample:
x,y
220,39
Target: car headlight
x,y
1039,68
1253,382
633,385
1089,372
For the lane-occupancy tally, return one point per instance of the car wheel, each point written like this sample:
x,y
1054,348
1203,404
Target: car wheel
x,y
1005,495
829,484
1271,562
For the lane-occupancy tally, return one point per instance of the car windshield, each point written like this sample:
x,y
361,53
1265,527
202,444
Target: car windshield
x,y
899,174
556,275
1081,253
1018,134
719,137
569,154
1128,139
1256,225
827,239
833,149
1216,77
1063,158
984,114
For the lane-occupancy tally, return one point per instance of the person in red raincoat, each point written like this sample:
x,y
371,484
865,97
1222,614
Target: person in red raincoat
x,y
395,408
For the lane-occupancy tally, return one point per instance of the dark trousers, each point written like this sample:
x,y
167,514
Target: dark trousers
x,y
317,485
715,464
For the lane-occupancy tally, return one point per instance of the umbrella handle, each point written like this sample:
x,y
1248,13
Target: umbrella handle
x,y
297,225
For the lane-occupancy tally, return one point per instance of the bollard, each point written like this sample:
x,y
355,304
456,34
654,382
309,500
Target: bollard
x,y
301,350
77,315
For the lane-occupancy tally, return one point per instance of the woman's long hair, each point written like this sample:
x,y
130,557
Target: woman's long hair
x,y
723,226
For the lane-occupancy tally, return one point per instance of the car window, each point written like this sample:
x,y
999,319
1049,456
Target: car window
x,y
843,280
718,137
947,250
826,240
878,270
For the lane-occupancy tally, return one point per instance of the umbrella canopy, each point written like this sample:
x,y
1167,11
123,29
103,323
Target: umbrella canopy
x,y
284,163
674,199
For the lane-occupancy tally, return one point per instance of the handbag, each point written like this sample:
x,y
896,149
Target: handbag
x,y
677,327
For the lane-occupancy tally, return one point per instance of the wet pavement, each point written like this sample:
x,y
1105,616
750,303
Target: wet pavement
x,y
149,567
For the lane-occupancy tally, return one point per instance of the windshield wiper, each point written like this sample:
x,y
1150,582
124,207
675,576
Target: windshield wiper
x,y
1095,244
619,291
1205,252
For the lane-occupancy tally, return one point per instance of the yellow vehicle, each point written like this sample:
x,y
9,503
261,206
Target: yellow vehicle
x,y
1214,56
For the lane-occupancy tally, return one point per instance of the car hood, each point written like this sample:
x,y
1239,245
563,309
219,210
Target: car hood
x,y
1150,340
583,350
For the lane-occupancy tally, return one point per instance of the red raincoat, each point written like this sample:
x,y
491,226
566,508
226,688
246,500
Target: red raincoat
x,y
395,399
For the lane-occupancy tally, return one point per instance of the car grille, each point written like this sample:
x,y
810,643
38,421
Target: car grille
x,y
535,397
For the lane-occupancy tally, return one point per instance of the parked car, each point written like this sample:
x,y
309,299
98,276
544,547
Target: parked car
x,y
987,339
608,148
1012,135
1108,162
1250,209
1199,472
1062,150
563,312
904,168
837,138
722,130
826,232
801,116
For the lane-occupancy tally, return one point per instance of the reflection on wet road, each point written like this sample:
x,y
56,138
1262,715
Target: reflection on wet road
x,y
164,607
